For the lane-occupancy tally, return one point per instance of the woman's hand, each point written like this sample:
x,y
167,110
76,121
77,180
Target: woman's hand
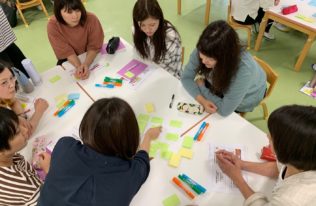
x,y
40,105
153,133
230,164
44,161
82,72
27,125
208,105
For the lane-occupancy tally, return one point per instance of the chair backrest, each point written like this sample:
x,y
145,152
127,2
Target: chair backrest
x,y
272,76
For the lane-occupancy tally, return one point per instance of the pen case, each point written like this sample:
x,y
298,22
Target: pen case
x,y
190,108
267,154
289,9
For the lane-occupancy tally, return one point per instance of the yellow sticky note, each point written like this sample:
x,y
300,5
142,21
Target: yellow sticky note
x,y
150,107
23,105
187,153
175,160
129,74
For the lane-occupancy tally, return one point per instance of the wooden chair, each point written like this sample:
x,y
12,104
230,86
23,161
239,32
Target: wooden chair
x,y
236,25
207,10
272,77
25,5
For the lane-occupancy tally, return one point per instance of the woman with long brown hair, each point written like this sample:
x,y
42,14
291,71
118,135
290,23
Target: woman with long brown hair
x,y
221,75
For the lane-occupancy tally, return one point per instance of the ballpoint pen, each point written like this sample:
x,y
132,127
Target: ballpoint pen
x,y
171,103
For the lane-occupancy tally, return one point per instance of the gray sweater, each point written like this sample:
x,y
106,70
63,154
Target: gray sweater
x,y
245,92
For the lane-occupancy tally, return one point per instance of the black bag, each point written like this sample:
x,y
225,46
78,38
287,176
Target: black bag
x,y
113,45
10,12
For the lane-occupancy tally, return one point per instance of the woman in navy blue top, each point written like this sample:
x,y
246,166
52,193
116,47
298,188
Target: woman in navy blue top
x,y
106,168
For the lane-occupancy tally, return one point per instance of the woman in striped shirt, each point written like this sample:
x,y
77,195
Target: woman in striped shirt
x,y
156,38
19,184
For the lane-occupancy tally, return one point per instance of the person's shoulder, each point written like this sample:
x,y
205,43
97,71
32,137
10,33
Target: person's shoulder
x,y
52,23
66,142
91,17
171,31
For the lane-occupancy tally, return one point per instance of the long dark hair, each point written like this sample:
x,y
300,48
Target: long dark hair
x,y
144,9
110,128
69,5
220,41
293,133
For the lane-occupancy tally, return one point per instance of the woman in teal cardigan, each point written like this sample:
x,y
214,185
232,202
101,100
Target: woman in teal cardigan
x,y
221,75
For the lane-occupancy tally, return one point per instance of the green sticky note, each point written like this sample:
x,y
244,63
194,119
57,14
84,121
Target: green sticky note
x,y
143,117
142,127
188,142
54,79
165,154
153,150
172,136
163,146
172,200
175,123
156,120
129,74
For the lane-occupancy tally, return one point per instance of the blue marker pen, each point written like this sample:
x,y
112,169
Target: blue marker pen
x,y
110,86
64,110
199,131
198,186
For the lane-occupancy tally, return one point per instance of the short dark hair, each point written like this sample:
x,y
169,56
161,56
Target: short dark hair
x,y
144,9
9,123
293,133
5,65
221,42
110,127
69,5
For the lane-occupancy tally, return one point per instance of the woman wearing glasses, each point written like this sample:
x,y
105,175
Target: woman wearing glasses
x,y
8,88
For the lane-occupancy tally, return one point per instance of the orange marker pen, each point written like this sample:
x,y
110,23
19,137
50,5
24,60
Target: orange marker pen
x,y
203,131
180,185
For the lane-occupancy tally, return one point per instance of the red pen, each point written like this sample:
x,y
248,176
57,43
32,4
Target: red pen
x,y
203,131
180,185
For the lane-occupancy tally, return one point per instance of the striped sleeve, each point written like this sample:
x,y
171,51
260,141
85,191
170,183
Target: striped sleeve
x,y
7,37
19,184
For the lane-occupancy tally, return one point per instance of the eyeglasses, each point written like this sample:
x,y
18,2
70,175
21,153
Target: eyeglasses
x,y
6,83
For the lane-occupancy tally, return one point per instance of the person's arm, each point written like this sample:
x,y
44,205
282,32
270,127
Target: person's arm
x,y
268,169
40,106
230,165
150,135
189,73
44,161
172,59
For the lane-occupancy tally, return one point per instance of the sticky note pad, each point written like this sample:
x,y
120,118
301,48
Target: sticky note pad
x,y
152,151
163,146
143,117
172,200
156,120
149,107
175,123
54,79
172,136
61,97
73,96
129,74
187,153
23,105
175,160
165,154
188,142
